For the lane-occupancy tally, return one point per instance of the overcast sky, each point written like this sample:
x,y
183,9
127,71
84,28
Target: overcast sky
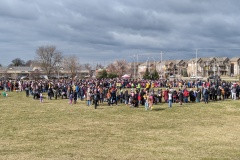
x,y
100,31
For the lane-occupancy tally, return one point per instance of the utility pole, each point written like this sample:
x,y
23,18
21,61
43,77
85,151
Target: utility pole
x,y
134,67
196,63
161,63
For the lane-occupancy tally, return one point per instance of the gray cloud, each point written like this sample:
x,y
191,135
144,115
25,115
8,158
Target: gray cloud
x,y
101,31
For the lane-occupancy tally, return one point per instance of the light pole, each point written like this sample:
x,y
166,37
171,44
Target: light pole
x,y
57,64
154,62
161,63
238,70
214,68
196,63
147,63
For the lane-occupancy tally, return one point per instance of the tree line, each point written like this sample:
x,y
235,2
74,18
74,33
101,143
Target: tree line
x,y
50,60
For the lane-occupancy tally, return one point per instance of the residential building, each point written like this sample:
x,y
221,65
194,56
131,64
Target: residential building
x,y
14,72
208,66
235,66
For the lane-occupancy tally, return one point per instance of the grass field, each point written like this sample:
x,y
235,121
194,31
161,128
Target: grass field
x,y
57,130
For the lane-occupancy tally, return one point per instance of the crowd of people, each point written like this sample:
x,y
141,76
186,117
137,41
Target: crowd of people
x,y
134,93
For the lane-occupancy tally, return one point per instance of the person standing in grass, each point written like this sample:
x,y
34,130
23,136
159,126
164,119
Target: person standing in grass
x,y
180,96
96,98
145,96
160,95
88,97
70,98
126,97
41,98
170,97
75,96
165,95
27,90
206,95
185,95
192,96
222,93
109,97
150,101
219,93
198,95
233,91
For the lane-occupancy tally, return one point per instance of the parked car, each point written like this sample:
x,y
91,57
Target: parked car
x,y
199,77
214,77
193,77
24,78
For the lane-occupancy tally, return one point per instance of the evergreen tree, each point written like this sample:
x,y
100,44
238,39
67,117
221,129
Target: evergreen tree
x,y
103,74
155,75
184,73
112,75
146,74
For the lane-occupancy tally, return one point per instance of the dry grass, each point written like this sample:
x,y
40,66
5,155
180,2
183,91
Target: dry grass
x,y
57,130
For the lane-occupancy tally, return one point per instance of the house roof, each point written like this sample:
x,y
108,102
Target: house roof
x,y
3,69
194,60
27,69
235,59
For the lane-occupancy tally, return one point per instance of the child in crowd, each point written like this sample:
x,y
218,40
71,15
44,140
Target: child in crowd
x,y
146,101
41,98
75,97
70,98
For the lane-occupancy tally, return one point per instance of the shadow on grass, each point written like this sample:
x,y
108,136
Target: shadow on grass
x,y
159,109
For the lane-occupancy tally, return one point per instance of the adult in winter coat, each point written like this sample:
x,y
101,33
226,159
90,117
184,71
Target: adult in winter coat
x,y
180,96
206,95
165,95
191,95
198,95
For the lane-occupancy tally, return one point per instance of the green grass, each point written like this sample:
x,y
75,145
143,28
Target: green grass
x,y
57,130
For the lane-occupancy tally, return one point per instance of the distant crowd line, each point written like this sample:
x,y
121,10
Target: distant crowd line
x,y
134,93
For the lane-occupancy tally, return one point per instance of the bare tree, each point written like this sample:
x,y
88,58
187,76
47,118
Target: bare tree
x,y
99,66
88,67
29,63
112,68
71,63
119,66
48,56
122,67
